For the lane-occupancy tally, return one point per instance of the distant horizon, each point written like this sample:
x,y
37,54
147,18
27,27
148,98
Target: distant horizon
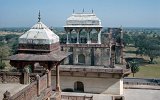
x,y
112,13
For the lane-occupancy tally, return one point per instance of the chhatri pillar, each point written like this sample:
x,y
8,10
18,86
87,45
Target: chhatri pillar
x,y
84,21
40,45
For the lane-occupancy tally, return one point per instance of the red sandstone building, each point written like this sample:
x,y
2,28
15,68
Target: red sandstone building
x,y
38,46
91,66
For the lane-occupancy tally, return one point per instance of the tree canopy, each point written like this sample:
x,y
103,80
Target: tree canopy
x,y
134,66
4,52
148,45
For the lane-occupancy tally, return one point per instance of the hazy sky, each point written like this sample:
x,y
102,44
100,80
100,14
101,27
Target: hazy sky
x,y
113,13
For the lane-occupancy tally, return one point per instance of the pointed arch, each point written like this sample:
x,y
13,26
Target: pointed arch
x,y
78,86
81,59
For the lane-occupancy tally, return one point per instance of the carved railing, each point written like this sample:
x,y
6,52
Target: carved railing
x,y
91,69
32,76
11,77
33,90
27,93
68,97
16,77
84,45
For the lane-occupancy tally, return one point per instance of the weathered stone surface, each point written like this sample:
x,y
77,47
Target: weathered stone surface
x,y
100,55
11,87
141,94
93,85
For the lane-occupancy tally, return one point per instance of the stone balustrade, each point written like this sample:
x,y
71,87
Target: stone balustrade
x,y
37,89
69,97
85,45
17,77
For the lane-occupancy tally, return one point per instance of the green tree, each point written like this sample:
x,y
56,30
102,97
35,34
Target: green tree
x,y
148,45
152,49
4,52
134,66
10,36
127,39
14,46
2,65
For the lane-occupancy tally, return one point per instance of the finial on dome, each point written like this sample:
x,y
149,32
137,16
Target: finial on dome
x,y
39,16
73,11
83,10
92,10
121,27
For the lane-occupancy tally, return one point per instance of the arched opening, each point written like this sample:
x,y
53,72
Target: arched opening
x,y
94,36
81,59
78,86
73,36
83,36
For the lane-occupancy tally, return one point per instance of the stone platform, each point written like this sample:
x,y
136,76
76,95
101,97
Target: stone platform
x,y
13,88
129,94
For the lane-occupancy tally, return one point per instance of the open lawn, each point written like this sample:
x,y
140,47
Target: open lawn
x,y
146,70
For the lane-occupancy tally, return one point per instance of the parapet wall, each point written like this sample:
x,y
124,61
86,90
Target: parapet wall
x,y
17,77
37,90
11,77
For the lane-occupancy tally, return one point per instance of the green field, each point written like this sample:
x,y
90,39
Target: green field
x,y
146,70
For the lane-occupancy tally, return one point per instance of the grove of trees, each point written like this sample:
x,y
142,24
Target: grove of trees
x,y
147,44
8,46
134,66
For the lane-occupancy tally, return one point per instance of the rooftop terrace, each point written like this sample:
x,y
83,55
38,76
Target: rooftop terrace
x,y
13,88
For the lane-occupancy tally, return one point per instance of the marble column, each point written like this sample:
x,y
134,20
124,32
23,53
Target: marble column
x,y
78,37
67,38
99,37
88,38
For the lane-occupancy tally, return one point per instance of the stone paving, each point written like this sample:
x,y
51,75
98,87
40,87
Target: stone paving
x,y
129,94
141,94
95,96
11,87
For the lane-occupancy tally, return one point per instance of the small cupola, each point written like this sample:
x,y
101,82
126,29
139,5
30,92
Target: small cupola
x,y
39,38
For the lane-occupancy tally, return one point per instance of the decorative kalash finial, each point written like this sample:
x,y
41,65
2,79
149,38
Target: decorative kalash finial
x,y
83,10
92,11
121,28
73,11
39,16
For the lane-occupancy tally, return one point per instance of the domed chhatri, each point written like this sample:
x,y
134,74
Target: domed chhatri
x,y
39,34
83,20
39,44
39,38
